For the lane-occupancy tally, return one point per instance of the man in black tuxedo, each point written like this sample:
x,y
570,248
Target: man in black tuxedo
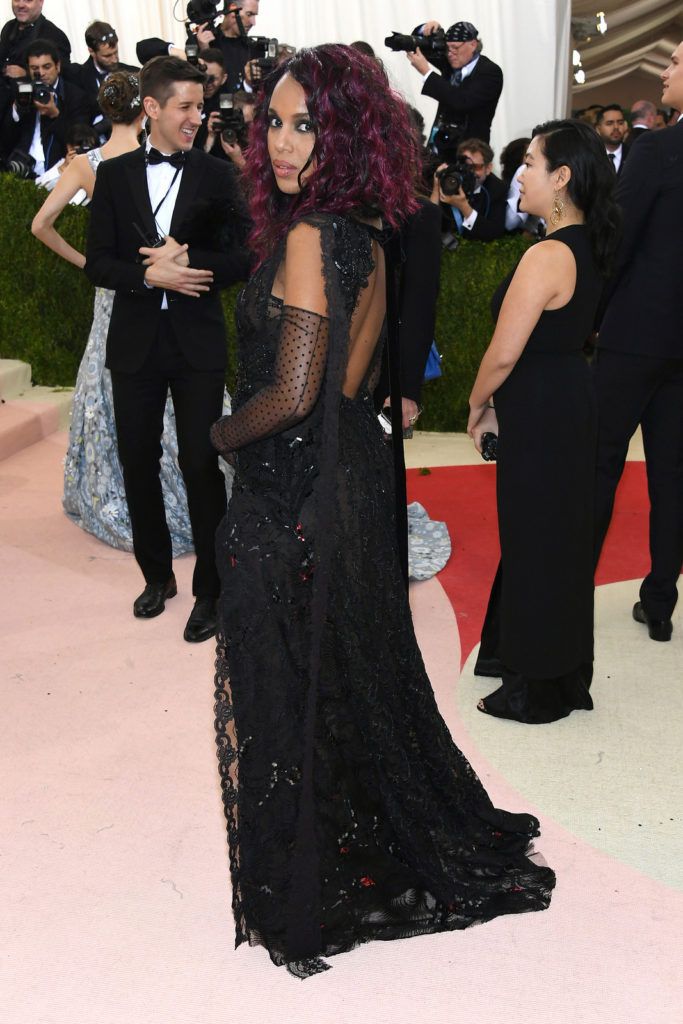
x,y
611,127
639,370
481,214
179,210
41,128
467,89
103,47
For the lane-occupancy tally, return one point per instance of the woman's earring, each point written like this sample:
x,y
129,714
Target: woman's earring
x,y
557,212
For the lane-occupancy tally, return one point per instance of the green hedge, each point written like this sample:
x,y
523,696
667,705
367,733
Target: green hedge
x,y
46,305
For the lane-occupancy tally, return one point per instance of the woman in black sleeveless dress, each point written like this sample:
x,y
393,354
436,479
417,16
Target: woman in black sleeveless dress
x,y
351,813
538,633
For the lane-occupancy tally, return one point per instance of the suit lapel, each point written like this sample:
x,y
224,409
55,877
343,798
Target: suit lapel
x,y
193,173
137,179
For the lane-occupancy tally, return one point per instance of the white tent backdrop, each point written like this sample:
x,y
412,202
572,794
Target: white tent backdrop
x,y
528,38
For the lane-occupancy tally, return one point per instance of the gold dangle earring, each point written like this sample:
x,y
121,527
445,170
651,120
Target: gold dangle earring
x,y
557,212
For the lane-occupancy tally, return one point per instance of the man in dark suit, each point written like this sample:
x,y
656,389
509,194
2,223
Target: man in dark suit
x,y
639,370
481,214
229,39
643,118
103,47
42,127
467,89
27,25
179,209
611,126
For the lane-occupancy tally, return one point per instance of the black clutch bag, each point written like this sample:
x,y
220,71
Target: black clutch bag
x,y
489,446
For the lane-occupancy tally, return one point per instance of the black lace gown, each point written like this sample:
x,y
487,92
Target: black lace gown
x,y
351,813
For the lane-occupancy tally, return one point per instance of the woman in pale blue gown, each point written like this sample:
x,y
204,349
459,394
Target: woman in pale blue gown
x,y
94,495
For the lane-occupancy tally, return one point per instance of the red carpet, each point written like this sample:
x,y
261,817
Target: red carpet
x,y
464,497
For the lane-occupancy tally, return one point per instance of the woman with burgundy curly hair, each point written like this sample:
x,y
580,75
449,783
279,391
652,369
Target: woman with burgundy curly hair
x,y
351,814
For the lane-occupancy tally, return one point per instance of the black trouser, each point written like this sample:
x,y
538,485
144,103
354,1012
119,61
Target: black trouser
x,y
645,390
139,402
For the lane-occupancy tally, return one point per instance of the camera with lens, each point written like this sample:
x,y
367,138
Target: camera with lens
x,y
201,11
231,124
20,164
41,92
261,48
432,46
455,176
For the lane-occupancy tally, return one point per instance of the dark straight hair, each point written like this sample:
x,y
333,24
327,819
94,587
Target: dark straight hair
x,y
43,48
160,74
576,145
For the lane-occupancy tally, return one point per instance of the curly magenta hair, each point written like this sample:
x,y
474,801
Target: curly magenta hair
x,y
365,150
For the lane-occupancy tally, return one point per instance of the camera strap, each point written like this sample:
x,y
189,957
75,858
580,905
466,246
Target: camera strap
x,y
167,192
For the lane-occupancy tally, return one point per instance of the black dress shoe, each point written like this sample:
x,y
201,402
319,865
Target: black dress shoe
x,y
152,600
659,629
203,622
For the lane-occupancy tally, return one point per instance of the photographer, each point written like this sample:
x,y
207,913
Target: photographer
x,y
103,46
230,40
43,116
478,205
80,139
467,87
212,63
234,137
257,68
27,25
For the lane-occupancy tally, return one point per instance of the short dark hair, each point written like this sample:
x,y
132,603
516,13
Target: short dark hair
x,y
160,74
43,48
609,106
99,33
212,56
477,146
83,135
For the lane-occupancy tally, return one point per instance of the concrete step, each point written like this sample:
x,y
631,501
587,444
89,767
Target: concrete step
x,y
15,378
28,414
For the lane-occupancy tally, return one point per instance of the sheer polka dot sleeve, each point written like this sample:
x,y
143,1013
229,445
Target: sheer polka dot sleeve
x,y
294,390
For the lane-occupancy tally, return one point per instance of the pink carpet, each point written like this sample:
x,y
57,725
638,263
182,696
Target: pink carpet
x,y
116,898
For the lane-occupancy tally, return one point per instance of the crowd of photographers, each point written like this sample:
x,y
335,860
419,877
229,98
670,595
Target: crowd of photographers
x,y
49,109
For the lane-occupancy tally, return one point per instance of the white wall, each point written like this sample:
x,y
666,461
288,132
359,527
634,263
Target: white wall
x,y
528,38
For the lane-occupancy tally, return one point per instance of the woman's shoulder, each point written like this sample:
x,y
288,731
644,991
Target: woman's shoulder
x,y
547,254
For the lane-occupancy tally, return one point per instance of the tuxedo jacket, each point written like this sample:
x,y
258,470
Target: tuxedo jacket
x,y
645,315
471,104
420,253
73,109
490,205
208,216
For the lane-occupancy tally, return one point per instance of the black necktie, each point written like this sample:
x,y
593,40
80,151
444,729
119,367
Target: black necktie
x,y
175,159
456,77
613,161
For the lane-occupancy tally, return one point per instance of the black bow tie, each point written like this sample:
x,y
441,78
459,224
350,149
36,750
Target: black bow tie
x,y
175,159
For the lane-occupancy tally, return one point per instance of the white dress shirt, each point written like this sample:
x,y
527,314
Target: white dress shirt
x,y
466,71
159,183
